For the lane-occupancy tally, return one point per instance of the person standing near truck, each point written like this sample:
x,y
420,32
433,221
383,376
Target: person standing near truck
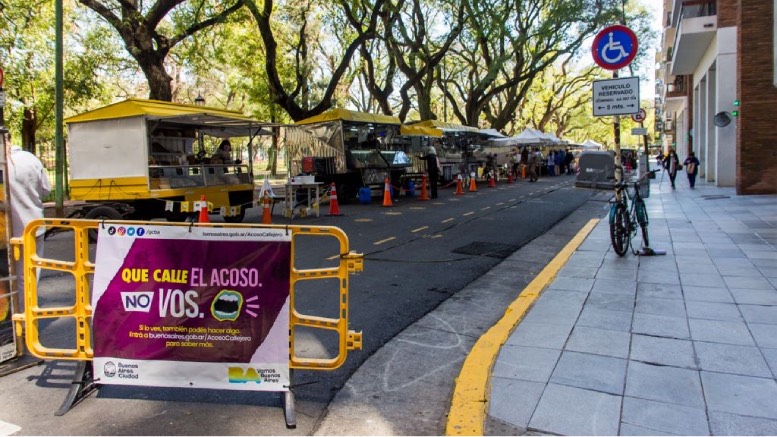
x,y
28,185
432,168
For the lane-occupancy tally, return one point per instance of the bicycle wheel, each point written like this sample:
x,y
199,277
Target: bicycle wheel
x,y
619,228
642,219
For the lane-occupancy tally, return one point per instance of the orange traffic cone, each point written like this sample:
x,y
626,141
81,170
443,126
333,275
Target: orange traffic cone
x,y
459,188
523,171
266,211
491,181
203,211
334,207
424,193
387,194
472,186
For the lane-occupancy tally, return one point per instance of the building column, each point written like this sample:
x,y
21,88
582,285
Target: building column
x,y
708,160
726,92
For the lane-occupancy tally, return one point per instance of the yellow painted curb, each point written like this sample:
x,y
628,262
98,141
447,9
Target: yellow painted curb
x,y
467,414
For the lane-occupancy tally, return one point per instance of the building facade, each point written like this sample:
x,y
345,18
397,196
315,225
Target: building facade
x,y
716,89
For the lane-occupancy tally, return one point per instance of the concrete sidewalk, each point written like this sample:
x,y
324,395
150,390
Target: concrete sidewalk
x,y
679,344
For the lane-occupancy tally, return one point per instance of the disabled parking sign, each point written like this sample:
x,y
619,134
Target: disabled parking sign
x,y
615,47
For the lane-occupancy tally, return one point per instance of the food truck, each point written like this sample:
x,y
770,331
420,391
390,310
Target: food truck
x,y
144,159
457,147
351,149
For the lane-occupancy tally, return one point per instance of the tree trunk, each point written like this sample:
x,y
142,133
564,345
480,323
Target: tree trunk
x,y
159,82
29,122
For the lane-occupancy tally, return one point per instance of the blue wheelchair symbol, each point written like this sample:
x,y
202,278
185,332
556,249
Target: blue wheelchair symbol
x,y
615,47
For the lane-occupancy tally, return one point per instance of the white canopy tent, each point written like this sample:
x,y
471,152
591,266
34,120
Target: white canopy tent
x,y
591,145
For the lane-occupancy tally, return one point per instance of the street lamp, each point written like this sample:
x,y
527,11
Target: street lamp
x,y
199,100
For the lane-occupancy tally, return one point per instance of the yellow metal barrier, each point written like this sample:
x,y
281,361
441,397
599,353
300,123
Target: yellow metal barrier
x,y
82,269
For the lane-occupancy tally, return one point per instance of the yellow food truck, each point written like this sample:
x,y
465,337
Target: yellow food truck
x,y
144,159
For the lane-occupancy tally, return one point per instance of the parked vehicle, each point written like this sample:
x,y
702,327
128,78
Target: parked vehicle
x,y
145,159
596,169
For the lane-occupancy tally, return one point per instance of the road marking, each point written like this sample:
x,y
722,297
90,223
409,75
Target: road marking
x,y
384,241
471,393
448,220
363,220
485,208
437,236
393,213
333,257
468,213
513,199
500,203
417,207
420,229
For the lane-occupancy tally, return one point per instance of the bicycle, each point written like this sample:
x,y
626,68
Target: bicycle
x,y
624,218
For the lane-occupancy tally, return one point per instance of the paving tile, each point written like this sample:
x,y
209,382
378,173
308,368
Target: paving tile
x,y
599,342
576,284
701,280
745,395
738,271
660,326
610,301
585,259
526,363
729,358
605,319
539,335
615,286
629,429
593,372
659,416
617,274
748,282
664,351
697,258
662,291
514,401
664,384
770,355
659,275
765,335
754,297
707,294
734,424
766,314
717,331
659,306
577,272
712,310
573,411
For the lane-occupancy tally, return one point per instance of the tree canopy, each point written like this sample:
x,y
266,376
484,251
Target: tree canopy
x,y
506,64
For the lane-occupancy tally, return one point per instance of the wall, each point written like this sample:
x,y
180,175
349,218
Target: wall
x,y
756,152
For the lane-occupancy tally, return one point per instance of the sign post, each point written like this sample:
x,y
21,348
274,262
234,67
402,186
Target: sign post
x,y
614,48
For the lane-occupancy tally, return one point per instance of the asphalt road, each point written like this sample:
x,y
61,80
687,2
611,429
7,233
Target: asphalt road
x,y
417,255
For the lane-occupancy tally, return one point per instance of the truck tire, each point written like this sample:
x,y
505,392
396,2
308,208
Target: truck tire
x,y
101,213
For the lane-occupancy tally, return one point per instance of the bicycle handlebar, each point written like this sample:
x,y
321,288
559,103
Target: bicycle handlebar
x,y
624,184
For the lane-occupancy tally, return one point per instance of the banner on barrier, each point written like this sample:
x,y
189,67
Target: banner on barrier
x,y
192,307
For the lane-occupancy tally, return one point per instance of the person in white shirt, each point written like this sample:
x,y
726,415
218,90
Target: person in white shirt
x,y
28,185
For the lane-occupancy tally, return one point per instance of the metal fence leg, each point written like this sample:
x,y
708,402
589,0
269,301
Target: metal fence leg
x,y
82,386
288,409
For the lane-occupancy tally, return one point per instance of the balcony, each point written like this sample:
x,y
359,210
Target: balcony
x,y
697,23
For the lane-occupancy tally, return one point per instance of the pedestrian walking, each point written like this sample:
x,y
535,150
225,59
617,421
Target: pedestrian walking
x,y
672,165
691,168
551,163
533,164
